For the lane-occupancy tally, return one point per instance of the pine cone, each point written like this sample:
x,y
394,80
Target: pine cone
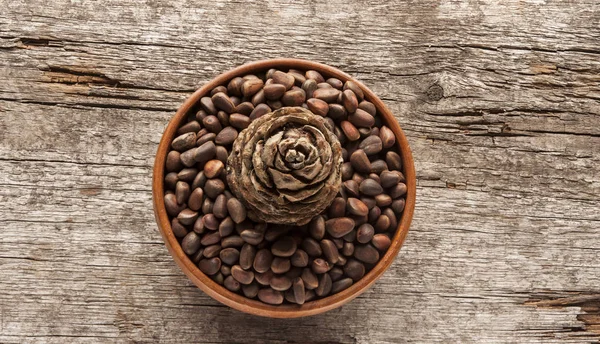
x,y
285,166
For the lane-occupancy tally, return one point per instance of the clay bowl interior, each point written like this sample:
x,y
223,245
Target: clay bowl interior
x,y
240,302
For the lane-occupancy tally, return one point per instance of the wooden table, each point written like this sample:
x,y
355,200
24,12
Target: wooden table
x,y
500,101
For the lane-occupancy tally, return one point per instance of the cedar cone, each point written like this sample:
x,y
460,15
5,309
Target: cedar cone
x,y
285,166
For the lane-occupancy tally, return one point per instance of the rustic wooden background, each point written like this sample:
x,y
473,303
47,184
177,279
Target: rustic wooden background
x,y
500,101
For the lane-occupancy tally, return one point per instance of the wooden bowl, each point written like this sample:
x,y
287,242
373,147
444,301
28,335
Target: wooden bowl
x,y
240,302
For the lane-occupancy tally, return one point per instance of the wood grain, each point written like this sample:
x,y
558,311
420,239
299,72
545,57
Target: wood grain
x,y
500,102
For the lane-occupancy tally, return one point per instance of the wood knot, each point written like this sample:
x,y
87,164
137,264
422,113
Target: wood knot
x,y
435,92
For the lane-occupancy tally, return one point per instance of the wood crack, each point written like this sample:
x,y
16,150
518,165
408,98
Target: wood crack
x,y
86,163
85,191
500,134
562,133
589,304
90,105
41,41
77,75
57,336
73,75
501,47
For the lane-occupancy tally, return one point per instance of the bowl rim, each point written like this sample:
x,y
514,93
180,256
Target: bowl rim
x,y
240,302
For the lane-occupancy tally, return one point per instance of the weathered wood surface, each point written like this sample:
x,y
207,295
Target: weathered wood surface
x,y
500,101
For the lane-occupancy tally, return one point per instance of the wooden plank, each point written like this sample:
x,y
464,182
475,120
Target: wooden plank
x,y
484,263
500,101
